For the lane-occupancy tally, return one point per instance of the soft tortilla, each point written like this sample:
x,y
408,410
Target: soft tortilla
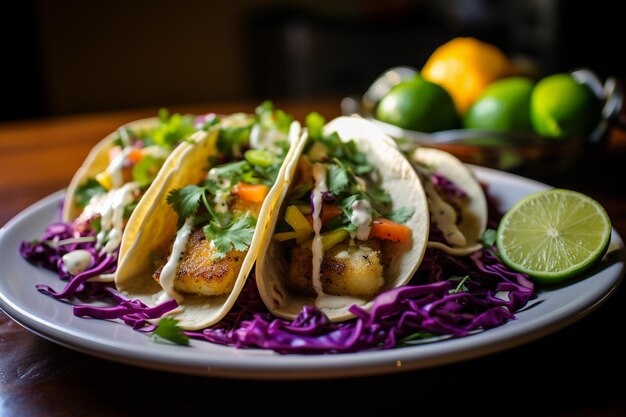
x,y
398,177
474,213
156,221
97,161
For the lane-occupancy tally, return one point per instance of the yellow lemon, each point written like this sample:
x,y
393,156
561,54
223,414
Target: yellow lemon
x,y
464,67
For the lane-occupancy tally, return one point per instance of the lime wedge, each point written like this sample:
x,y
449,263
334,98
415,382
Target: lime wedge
x,y
554,235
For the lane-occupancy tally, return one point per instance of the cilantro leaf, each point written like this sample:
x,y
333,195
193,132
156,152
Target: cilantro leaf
x,y
235,235
338,179
230,170
488,239
401,215
186,201
168,329
88,190
378,195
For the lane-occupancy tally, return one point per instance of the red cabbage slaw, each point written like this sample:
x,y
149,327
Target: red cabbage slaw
x,y
448,297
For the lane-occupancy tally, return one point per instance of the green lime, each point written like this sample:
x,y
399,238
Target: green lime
x,y
554,235
418,105
503,105
560,107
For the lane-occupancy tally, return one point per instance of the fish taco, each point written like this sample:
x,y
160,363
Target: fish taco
x,y
458,206
199,232
354,223
114,177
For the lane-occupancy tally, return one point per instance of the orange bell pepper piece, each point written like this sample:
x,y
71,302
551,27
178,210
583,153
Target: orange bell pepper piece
x,y
386,229
253,193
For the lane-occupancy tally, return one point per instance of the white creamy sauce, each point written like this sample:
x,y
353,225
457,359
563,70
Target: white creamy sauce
x,y
110,208
362,218
221,182
317,249
124,136
76,261
221,200
265,138
444,216
168,273
156,151
342,255
115,168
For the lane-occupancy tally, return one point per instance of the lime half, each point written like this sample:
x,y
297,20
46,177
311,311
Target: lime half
x,y
554,235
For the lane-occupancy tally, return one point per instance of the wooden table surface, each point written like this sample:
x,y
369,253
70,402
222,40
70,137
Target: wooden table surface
x,y
577,371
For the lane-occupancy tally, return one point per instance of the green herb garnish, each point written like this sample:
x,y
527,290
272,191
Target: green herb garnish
x,y
168,329
88,190
236,235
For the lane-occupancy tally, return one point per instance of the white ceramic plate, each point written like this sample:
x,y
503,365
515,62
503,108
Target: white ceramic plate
x,y
550,311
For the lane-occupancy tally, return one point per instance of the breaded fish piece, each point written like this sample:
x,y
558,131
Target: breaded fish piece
x,y
349,270
199,273
238,205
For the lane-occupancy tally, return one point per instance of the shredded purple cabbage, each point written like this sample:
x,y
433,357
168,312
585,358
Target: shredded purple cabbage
x,y
46,251
449,188
132,312
448,296
427,307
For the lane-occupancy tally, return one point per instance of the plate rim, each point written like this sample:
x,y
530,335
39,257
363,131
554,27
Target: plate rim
x,y
246,363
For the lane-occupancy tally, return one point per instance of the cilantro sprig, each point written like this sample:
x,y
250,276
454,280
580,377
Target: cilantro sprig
x,y
225,232
168,330
348,176
186,201
236,234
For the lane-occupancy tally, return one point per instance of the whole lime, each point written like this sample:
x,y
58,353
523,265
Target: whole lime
x,y
560,107
503,105
418,105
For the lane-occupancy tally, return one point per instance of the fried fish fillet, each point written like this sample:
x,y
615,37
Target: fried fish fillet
x,y
349,270
199,273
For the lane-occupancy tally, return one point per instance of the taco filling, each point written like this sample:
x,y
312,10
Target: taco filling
x,y
201,228
457,204
338,229
105,199
218,218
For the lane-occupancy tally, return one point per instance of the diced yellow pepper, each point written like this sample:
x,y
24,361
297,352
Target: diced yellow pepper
x,y
299,223
104,179
282,236
330,239
304,208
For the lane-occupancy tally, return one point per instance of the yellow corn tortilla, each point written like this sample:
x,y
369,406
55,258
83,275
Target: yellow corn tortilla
x,y
97,161
155,224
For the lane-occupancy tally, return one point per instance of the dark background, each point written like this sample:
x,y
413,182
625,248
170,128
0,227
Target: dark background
x,y
69,56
